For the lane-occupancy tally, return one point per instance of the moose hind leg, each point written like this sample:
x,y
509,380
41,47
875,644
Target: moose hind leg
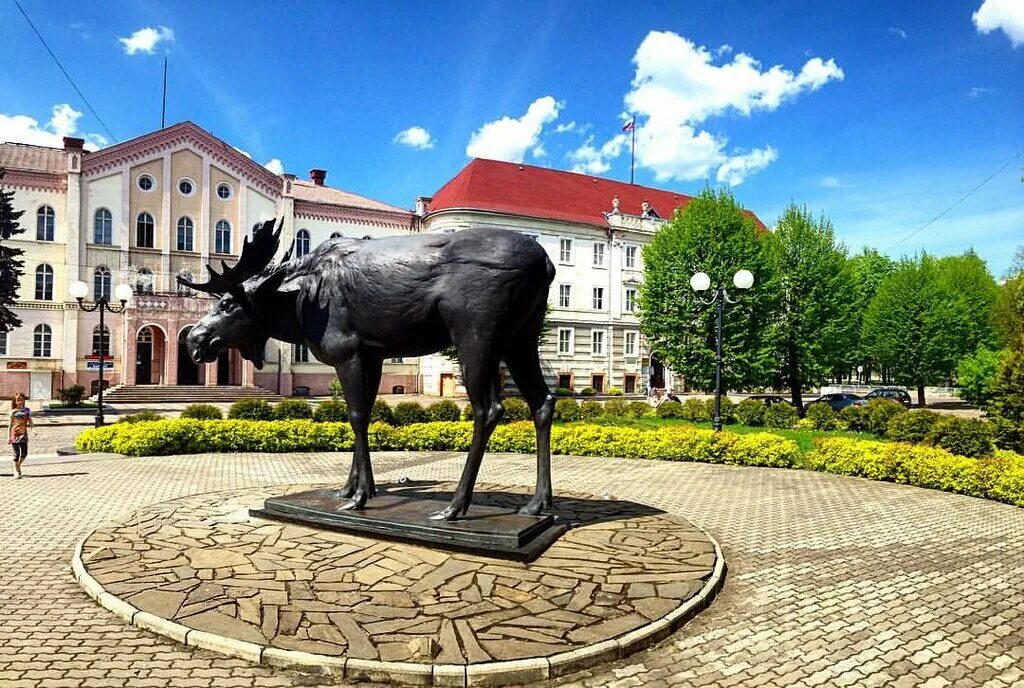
x,y
481,378
359,379
524,365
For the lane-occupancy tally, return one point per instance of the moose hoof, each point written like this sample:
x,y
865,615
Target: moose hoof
x,y
534,507
357,502
449,513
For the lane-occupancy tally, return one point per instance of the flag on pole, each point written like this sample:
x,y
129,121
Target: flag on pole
x,y
628,126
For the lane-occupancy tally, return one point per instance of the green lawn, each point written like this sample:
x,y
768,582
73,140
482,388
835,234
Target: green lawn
x,y
803,438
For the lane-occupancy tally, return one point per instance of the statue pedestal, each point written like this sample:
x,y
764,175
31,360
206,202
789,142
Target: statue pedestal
x,y
397,514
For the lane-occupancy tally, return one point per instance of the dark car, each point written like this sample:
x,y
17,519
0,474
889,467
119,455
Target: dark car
x,y
838,400
893,393
770,399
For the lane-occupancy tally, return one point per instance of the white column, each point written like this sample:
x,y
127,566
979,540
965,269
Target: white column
x,y
203,226
167,230
241,230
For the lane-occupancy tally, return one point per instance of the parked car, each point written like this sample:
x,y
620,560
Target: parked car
x,y
838,400
770,399
894,393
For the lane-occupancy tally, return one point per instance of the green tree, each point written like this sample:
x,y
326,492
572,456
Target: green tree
x,y
1008,311
868,269
968,294
815,292
714,235
10,263
976,375
1006,408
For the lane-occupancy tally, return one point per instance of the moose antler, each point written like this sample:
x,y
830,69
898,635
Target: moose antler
x,y
256,255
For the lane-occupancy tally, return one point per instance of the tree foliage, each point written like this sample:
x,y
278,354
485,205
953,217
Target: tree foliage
x,y
1008,312
714,235
11,265
976,375
816,290
868,269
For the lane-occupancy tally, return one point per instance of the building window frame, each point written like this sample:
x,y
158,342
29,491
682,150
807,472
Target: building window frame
x,y
145,230
222,237
566,340
630,343
630,253
3,343
42,341
144,281
565,296
186,234
597,300
565,247
191,191
101,283
302,243
597,342
101,341
44,282
46,224
300,353
599,257
145,182
230,191
629,300
103,227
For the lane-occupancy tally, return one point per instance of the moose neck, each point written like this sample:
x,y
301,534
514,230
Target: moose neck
x,y
283,323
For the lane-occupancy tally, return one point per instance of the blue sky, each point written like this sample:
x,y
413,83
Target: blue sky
x,y
879,115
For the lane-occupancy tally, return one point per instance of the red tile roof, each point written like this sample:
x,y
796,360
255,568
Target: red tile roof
x,y
519,189
23,156
308,191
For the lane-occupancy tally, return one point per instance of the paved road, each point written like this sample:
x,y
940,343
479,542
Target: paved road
x,y
833,581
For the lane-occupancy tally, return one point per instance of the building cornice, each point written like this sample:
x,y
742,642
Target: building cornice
x,y
186,133
600,224
345,213
27,179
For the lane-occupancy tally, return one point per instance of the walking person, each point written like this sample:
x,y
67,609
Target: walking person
x,y
17,436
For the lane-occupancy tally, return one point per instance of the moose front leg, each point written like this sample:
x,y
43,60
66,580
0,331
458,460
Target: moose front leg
x,y
359,379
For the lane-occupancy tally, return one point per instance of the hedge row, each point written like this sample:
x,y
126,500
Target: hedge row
x,y
1000,477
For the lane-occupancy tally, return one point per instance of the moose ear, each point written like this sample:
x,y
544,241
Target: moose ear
x,y
271,282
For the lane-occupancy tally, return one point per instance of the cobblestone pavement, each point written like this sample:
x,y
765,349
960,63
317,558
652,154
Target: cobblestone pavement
x,y
832,581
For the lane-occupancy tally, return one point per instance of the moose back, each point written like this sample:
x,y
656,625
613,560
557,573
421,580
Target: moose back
x,y
355,303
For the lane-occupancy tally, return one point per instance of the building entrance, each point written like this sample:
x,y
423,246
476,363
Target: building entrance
x,y
188,370
144,357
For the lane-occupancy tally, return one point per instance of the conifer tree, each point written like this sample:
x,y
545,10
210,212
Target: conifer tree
x,y
10,262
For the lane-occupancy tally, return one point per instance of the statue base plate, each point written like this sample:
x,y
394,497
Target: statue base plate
x,y
398,515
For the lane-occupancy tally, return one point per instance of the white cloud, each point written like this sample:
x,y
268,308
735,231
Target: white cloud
x,y
739,167
63,122
592,160
415,137
977,92
275,166
243,152
897,31
146,40
1007,15
562,128
830,182
678,86
509,138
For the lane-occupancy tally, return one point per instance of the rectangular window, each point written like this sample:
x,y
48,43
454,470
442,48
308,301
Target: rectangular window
x,y
565,340
565,251
629,347
598,298
631,257
300,353
598,255
630,300
565,380
564,295
397,359
597,342
3,343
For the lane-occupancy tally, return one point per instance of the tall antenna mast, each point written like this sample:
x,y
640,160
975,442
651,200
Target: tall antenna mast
x,y
163,109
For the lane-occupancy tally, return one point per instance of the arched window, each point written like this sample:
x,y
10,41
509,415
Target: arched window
x,y
103,227
101,283
42,341
185,234
144,230
301,243
144,281
145,335
222,237
101,341
45,222
44,283
182,289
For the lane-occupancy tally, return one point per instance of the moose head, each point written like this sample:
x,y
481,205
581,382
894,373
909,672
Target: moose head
x,y
236,320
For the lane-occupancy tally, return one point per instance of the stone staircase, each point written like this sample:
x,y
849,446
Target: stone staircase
x,y
183,394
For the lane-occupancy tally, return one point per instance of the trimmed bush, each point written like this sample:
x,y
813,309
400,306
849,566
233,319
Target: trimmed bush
x,y
879,412
963,436
250,409
614,392
563,392
822,417
639,409
751,412
669,409
516,410
292,409
590,410
337,391
855,417
331,411
409,412
780,416
72,396
140,417
567,410
202,412
467,412
912,426
616,408
696,410
727,409
381,412
444,411
588,392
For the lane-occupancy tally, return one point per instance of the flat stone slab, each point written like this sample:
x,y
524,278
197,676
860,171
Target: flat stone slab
x,y
201,568
404,512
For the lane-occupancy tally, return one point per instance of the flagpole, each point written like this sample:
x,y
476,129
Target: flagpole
x,y
632,148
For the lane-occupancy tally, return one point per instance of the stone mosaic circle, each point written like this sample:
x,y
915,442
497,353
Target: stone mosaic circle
x,y
202,562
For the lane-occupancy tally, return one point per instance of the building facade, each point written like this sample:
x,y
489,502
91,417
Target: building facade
x,y
144,212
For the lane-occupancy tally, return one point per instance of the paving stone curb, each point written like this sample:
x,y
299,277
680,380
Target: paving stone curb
x,y
523,671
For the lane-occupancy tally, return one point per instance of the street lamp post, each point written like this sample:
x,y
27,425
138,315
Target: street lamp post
x,y
743,279
123,293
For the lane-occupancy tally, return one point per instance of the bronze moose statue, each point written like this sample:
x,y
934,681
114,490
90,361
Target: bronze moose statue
x,y
356,302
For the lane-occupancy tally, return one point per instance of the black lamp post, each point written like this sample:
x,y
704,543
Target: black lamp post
x,y
123,293
743,279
